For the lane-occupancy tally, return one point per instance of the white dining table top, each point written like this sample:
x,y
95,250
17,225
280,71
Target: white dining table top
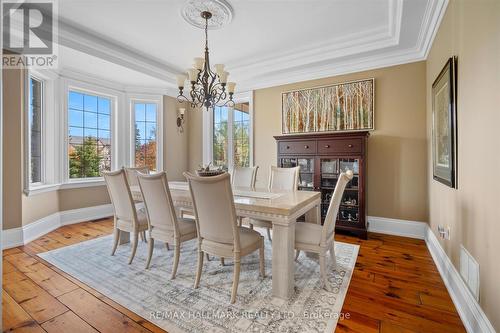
x,y
260,199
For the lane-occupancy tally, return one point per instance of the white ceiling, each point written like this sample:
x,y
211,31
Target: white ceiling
x,y
269,42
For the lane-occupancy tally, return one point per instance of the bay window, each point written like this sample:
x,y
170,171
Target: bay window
x,y
89,134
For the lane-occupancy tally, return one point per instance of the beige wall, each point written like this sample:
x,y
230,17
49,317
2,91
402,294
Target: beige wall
x,y
396,149
175,144
471,31
195,123
13,90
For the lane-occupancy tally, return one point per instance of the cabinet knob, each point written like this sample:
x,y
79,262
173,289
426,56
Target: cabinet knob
x,y
350,145
327,146
287,147
306,147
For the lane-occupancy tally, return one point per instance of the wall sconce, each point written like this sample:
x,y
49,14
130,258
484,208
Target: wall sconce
x,y
180,119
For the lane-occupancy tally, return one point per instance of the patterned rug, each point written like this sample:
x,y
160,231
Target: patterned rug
x,y
176,307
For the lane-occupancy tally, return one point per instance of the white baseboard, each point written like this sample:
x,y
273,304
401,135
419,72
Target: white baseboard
x,y
473,317
12,238
404,228
20,236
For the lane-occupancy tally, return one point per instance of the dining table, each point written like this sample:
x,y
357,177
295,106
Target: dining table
x,y
281,208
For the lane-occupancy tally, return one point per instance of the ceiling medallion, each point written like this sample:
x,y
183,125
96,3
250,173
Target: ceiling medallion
x,y
221,10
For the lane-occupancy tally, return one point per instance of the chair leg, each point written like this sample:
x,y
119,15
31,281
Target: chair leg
x,y
297,253
208,257
322,268
168,247
222,261
269,234
198,270
262,259
240,221
134,246
251,226
236,279
116,235
144,235
177,253
141,236
333,257
150,251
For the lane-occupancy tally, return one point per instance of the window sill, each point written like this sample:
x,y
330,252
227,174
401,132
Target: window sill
x,y
76,183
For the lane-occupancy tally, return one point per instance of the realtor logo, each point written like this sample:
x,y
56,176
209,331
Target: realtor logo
x,y
28,34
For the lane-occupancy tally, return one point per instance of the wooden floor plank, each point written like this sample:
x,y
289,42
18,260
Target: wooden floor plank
x,y
15,319
395,288
39,304
68,322
98,314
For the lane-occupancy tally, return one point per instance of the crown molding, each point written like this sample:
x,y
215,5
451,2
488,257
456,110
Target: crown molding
x,y
361,51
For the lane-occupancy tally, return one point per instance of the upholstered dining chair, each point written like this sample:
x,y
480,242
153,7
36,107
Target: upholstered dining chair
x,y
279,179
244,176
311,237
126,217
132,174
218,232
163,223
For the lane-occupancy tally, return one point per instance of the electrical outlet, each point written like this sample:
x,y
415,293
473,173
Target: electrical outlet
x,y
441,231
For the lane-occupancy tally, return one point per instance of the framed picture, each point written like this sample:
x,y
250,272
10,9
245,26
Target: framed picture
x,y
444,125
335,108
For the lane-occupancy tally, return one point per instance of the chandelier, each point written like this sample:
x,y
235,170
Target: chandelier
x,y
208,88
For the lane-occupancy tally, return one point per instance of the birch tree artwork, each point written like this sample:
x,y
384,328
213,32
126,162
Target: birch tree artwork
x,y
340,107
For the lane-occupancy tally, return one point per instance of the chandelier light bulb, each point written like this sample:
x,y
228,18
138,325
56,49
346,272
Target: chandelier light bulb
x,y
219,69
198,63
193,74
231,86
181,79
223,77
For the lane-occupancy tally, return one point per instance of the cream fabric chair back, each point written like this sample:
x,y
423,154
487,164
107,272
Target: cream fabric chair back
x,y
333,209
244,176
284,178
214,208
120,195
132,174
158,201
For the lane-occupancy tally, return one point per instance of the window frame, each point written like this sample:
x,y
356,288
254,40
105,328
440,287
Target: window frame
x,y
146,99
208,131
80,87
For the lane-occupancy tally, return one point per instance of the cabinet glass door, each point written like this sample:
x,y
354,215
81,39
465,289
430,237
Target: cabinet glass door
x,y
306,176
349,206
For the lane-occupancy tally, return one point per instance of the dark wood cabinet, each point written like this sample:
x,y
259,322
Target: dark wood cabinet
x,y
322,157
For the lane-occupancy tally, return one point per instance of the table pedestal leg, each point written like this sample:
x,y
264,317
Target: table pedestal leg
x,y
283,259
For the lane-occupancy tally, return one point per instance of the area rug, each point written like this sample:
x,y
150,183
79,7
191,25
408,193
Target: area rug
x,y
176,307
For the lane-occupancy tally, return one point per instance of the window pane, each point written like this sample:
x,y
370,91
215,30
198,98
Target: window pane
x,y
220,156
104,121
75,100
150,131
75,118
151,112
35,130
89,135
140,112
76,135
241,136
104,105
145,135
90,119
90,103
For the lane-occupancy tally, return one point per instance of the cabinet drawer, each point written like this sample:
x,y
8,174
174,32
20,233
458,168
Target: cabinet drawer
x,y
297,147
340,146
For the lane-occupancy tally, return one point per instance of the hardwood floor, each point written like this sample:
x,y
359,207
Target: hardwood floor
x,y
395,288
